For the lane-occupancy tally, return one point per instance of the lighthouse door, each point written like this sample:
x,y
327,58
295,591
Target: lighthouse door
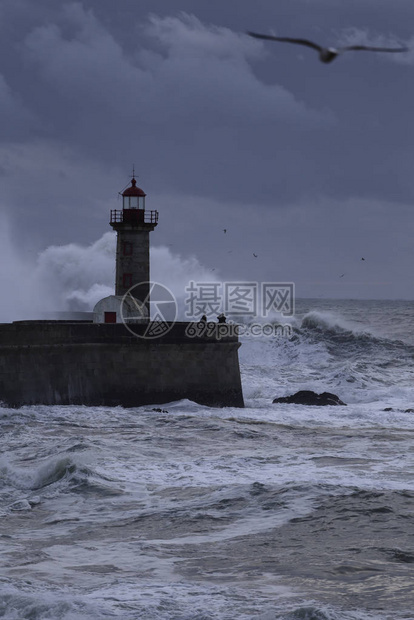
x,y
110,317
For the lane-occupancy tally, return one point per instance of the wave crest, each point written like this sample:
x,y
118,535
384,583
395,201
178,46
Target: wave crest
x,y
326,321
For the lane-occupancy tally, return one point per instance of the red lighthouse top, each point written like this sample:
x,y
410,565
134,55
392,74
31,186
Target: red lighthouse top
x,y
133,210
133,190
133,197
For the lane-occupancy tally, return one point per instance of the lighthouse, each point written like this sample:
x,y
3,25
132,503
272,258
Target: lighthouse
x,y
133,224
124,356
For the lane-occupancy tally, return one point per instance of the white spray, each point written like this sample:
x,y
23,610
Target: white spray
x,y
74,277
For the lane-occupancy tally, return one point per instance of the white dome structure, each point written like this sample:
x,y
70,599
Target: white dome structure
x,y
120,309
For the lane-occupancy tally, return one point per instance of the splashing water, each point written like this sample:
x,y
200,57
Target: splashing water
x,y
74,277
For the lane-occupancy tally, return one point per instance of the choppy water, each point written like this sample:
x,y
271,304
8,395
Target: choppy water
x,y
271,512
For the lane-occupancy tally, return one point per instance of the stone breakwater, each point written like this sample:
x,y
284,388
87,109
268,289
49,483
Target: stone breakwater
x,y
63,363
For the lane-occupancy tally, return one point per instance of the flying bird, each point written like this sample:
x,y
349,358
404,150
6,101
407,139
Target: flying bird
x,y
327,54
255,255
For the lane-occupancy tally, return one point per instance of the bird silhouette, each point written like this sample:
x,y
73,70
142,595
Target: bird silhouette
x,y
327,54
255,255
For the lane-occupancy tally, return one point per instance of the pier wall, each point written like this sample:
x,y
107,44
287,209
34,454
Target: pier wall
x,y
63,363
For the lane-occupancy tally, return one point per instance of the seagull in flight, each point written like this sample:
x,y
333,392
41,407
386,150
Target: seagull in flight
x,y
327,54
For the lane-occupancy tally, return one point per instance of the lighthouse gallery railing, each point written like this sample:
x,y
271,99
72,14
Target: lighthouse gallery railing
x,y
133,216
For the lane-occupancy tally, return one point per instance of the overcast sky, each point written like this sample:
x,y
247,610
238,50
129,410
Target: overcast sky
x,y
309,166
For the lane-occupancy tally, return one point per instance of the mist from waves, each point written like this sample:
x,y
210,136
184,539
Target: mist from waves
x,y
75,277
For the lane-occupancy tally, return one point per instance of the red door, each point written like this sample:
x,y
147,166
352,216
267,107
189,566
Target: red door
x,y
110,317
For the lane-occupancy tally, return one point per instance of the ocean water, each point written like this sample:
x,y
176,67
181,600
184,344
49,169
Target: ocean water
x,y
274,511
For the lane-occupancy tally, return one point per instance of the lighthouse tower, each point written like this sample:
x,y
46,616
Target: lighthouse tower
x,y
133,225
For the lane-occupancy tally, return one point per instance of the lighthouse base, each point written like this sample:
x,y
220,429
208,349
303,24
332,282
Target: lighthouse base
x,y
84,363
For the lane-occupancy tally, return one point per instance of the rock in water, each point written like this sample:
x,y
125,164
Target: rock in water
x,y
307,397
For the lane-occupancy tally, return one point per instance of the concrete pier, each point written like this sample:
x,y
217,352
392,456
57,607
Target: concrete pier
x,y
84,363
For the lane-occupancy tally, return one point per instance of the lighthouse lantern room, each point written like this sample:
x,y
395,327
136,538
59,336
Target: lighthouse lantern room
x,y
133,197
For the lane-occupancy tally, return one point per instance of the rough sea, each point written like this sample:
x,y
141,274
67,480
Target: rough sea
x,y
184,512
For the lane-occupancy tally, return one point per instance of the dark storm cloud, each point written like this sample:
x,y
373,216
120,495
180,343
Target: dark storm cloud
x,y
192,104
186,103
15,118
219,125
